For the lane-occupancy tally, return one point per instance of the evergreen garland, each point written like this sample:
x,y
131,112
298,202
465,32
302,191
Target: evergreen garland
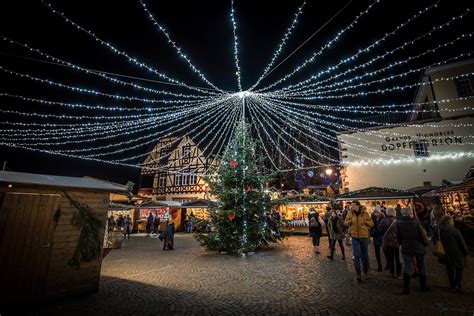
x,y
89,246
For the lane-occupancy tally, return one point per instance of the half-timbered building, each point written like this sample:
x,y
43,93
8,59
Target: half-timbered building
x,y
175,165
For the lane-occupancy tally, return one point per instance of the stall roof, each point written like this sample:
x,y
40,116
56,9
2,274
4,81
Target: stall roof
x,y
156,203
376,193
12,177
463,186
421,190
305,199
198,203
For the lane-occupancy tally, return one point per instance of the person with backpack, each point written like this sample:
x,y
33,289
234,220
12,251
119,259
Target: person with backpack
x,y
316,225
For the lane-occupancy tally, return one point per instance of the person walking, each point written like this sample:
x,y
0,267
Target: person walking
x,y
412,237
435,218
359,223
168,236
190,223
336,233
377,217
111,223
316,225
390,245
120,222
127,226
455,251
156,224
149,223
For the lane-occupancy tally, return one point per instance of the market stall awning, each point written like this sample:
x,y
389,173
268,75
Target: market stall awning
x,y
376,193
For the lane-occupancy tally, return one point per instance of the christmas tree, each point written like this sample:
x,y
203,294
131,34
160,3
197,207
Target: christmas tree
x,y
241,222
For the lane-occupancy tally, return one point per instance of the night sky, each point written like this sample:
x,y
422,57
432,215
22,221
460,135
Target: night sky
x,y
204,31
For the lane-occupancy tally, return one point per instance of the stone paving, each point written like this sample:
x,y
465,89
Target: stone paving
x,y
289,279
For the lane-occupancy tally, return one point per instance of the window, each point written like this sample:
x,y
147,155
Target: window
x,y
164,155
185,179
465,86
162,180
186,152
178,179
421,149
192,178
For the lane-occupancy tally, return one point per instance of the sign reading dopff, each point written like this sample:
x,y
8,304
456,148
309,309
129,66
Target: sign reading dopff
x,y
440,138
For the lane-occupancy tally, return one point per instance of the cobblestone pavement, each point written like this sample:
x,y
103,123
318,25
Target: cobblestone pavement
x,y
290,279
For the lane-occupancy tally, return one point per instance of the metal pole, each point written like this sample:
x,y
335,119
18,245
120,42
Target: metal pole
x,y
4,165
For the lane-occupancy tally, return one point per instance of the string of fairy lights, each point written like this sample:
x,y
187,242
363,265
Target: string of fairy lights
x,y
322,118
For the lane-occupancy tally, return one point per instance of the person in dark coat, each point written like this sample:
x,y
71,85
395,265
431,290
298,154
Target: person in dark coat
x,y
412,237
149,223
316,225
377,217
336,233
455,251
168,236
398,209
387,228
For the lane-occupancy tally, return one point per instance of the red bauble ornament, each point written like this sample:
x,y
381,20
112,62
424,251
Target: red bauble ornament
x,y
231,216
234,163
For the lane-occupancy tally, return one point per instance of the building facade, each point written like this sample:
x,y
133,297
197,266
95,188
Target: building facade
x,y
175,165
435,144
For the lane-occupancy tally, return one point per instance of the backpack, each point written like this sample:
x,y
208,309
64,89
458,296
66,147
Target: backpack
x,y
313,220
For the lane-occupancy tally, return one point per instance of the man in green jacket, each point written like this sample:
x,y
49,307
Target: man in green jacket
x,y
359,223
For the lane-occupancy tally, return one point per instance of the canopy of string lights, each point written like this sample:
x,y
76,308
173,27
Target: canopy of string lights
x,y
293,118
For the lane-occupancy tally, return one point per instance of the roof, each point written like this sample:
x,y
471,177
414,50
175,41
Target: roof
x,y
197,203
318,186
457,64
423,189
463,186
12,177
305,199
156,203
376,193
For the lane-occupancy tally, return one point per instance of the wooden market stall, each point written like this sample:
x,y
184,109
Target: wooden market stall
x,y
294,210
166,210
372,196
198,208
44,221
458,200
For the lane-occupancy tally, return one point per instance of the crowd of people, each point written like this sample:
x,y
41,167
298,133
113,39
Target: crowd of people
x,y
394,231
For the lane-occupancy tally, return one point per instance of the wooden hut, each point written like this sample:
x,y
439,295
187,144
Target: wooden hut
x,y
40,234
373,196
